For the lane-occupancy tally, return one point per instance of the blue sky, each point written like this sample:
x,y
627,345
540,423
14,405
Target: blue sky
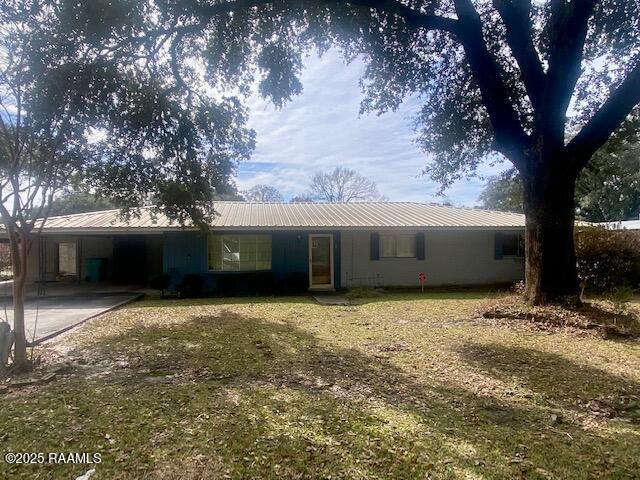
x,y
320,129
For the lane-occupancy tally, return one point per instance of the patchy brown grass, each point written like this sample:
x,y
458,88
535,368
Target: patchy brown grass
x,y
604,317
399,386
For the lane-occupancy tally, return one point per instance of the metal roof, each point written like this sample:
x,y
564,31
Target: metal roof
x,y
246,215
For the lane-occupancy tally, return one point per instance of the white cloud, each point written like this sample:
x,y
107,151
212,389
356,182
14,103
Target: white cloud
x,y
320,129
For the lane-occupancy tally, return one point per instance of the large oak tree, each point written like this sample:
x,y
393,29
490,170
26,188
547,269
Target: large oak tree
x,y
497,77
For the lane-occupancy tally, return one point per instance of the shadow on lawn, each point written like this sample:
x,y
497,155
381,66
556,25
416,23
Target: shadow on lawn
x,y
559,380
265,399
398,295
369,296
155,302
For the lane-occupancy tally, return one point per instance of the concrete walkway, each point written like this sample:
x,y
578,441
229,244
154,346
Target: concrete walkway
x,y
331,300
65,308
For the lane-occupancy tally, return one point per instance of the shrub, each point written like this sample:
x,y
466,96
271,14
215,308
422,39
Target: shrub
x,y
227,284
607,259
293,283
160,282
519,287
262,283
192,285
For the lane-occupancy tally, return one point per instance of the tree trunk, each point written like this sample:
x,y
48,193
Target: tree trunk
x,y
19,251
549,206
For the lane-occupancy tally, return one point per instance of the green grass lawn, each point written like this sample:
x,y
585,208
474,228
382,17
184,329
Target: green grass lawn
x,y
402,386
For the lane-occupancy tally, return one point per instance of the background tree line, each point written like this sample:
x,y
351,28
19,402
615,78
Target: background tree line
x,y
338,185
608,189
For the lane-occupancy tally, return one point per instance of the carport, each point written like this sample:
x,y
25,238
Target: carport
x,y
94,258
65,305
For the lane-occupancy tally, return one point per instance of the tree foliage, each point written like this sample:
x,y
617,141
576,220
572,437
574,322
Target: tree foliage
x,y
263,193
343,185
608,189
72,110
70,202
503,192
486,70
118,125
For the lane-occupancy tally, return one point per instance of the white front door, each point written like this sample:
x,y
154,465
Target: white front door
x,y
321,261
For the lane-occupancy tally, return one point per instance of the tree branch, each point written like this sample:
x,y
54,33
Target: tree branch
x,y
515,16
510,137
568,33
413,17
607,119
173,52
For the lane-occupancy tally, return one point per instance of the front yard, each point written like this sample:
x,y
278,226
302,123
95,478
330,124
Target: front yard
x,y
401,386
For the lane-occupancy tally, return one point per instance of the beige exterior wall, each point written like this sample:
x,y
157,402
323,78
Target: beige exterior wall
x,y
452,257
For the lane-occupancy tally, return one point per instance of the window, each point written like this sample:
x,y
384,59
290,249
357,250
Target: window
x,y
67,258
397,246
237,253
512,245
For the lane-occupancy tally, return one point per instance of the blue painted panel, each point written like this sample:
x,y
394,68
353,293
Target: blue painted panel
x,y
290,251
186,252
183,253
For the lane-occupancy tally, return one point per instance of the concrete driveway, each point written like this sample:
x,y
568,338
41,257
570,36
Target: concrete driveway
x,y
50,315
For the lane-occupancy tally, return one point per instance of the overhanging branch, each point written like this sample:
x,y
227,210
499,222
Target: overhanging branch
x,y
568,31
412,17
510,137
607,119
515,16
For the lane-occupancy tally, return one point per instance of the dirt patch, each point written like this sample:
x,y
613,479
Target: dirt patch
x,y
198,467
611,406
387,347
600,317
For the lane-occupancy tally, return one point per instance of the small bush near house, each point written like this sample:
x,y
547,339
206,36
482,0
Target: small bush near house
x,y
192,285
607,259
262,283
227,284
160,282
294,283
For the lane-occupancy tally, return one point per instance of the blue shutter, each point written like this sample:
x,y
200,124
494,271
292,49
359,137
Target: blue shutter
x,y
420,246
375,246
498,253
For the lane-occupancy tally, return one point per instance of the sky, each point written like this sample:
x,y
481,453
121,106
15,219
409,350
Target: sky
x,y
321,129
